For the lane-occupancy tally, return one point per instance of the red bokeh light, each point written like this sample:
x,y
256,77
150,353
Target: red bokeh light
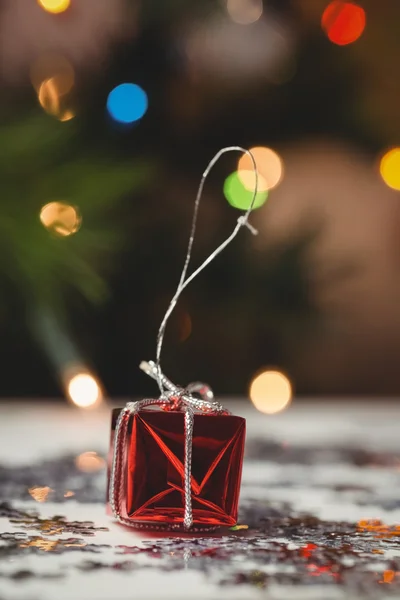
x,y
343,22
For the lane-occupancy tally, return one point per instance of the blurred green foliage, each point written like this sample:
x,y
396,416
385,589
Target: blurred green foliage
x,y
41,162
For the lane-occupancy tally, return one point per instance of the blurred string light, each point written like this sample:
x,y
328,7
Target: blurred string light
x,y
269,169
244,12
343,22
270,392
238,195
390,168
127,103
60,218
55,6
89,462
84,390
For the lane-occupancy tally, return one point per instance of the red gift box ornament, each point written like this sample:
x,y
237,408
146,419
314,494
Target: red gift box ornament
x,y
178,467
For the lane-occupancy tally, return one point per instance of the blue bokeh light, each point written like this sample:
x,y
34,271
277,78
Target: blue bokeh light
x,y
127,103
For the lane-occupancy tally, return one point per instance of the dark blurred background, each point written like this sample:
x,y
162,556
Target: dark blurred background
x,y
110,112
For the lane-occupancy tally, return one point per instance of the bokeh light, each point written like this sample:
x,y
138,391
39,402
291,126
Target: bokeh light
x,y
50,99
239,196
53,66
390,168
55,6
89,462
343,22
269,169
66,116
270,392
127,103
84,390
244,12
60,218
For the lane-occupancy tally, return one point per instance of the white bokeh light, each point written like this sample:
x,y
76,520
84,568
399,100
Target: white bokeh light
x,y
84,390
270,392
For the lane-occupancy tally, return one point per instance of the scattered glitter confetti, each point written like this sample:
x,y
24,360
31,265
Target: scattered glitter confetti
x,y
53,526
40,494
275,543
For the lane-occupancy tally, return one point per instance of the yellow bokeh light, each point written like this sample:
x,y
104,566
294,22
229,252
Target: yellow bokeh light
x,y
50,98
89,462
270,392
62,219
55,6
269,169
244,12
390,168
84,390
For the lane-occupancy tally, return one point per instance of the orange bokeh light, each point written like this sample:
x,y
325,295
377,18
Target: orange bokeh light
x,y
269,169
343,22
60,218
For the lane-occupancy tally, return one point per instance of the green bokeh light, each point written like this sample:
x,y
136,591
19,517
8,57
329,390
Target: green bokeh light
x,y
239,196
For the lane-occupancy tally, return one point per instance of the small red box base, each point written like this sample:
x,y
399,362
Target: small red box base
x,y
154,468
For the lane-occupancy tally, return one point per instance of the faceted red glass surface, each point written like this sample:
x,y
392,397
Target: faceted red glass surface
x,y
154,467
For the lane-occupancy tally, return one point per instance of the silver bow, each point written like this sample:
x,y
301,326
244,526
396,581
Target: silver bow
x,y
179,399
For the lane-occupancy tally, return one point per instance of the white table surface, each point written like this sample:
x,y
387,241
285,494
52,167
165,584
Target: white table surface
x,y
330,489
